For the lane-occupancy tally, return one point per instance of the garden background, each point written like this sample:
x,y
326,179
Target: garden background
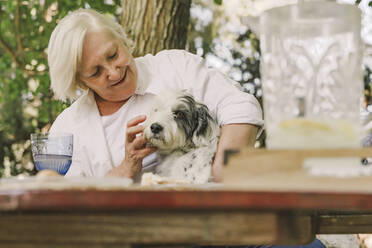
x,y
223,32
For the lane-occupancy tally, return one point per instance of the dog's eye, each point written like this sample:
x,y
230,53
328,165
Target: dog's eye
x,y
179,115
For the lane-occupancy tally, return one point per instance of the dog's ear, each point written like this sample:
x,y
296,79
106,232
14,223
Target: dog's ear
x,y
206,126
203,120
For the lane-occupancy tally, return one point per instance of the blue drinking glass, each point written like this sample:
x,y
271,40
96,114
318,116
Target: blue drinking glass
x,y
52,151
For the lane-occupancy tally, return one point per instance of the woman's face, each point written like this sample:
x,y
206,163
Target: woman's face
x,y
107,67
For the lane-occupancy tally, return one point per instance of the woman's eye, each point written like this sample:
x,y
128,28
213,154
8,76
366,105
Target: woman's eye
x,y
113,56
96,74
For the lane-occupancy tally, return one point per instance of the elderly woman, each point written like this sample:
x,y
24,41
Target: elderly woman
x,y
90,53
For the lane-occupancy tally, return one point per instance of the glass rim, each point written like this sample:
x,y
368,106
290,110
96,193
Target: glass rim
x,y
311,15
294,7
44,135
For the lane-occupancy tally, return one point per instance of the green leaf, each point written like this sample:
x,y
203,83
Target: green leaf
x,y
219,2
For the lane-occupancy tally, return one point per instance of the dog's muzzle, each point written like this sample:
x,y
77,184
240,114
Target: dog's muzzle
x,y
156,128
155,134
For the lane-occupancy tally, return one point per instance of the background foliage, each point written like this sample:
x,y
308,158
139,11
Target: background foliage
x,y
26,102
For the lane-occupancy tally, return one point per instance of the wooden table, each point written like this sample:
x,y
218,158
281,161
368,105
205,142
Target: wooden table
x,y
260,203
95,218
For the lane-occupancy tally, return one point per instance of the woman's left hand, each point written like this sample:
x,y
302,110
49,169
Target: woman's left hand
x,y
135,150
135,146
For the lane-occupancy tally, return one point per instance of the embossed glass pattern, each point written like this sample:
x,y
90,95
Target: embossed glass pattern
x,y
52,151
312,75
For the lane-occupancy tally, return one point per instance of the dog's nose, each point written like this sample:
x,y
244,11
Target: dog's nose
x,y
156,128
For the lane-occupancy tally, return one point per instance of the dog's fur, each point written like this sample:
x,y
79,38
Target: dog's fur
x,y
185,135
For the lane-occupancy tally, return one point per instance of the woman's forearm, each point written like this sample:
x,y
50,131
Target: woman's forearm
x,y
120,171
232,136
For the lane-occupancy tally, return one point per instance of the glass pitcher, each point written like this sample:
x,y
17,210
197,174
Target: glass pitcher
x,y
312,77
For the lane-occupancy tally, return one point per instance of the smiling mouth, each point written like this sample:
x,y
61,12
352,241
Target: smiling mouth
x,y
123,79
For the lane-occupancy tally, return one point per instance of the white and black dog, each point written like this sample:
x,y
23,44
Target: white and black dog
x,y
186,136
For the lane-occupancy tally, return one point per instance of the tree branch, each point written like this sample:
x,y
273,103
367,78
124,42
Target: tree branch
x,y
17,33
14,58
9,50
13,55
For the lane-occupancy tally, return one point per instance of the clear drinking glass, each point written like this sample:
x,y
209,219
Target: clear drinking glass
x,y
52,151
312,76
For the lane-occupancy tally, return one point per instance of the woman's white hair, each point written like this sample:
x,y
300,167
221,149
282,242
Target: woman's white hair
x,y
66,45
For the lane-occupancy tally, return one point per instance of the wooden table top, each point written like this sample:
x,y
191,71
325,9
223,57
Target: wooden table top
x,y
92,199
265,185
261,202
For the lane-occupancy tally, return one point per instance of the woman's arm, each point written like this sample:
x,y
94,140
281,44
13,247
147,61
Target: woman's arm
x,y
223,96
232,136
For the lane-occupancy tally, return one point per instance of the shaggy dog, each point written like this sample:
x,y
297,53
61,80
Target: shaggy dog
x,y
185,135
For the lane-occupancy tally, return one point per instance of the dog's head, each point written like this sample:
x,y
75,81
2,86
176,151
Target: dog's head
x,y
177,121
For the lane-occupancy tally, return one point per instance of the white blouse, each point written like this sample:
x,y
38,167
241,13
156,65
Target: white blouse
x,y
99,141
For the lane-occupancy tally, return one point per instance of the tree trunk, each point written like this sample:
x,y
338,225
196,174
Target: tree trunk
x,y
155,25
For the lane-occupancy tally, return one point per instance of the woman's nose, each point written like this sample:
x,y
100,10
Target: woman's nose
x,y
114,73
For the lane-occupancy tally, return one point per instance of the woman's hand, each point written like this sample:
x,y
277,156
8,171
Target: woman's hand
x,y
135,150
135,146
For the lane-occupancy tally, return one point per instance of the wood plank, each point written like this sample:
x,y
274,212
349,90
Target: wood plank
x,y
138,227
344,224
281,170
306,153
295,228
93,200
65,245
